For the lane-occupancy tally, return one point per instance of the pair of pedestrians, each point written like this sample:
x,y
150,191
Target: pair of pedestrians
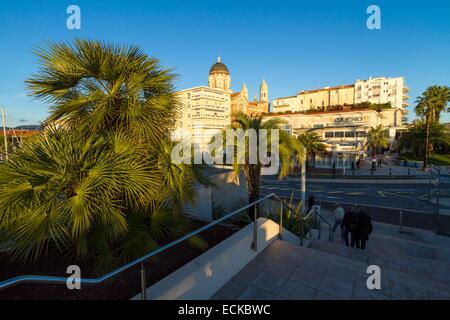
x,y
356,225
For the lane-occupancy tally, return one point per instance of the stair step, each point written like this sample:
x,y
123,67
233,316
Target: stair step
x,y
423,270
346,265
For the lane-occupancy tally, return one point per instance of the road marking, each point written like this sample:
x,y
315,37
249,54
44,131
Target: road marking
x,y
368,205
355,193
381,194
335,192
393,194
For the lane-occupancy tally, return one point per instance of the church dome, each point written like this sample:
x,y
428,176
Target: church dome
x,y
219,67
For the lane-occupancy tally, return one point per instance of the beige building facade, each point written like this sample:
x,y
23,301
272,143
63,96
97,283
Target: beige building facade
x,y
344,132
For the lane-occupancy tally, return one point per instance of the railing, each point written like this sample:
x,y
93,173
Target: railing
x,y
140,261
319,227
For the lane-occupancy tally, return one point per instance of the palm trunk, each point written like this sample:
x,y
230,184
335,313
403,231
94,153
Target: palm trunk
x,y
253,178
427,143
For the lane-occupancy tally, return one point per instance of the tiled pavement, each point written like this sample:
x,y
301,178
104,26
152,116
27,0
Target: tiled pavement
x,y
328,271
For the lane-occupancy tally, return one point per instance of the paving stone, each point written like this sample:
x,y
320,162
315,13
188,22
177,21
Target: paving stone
x,y
433,295
341,273
282,268
269,282
294,291
336,288
256,293
230,291
407,291
320,295
306,278
363,293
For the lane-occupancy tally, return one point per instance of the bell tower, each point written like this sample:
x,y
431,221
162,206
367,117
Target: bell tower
x,y
264,92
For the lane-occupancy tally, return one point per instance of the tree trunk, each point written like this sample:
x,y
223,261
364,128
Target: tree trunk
x,y
253,178
427,143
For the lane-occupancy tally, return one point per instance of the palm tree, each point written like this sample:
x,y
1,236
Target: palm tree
x,y
312,143
430,106
289,151
95,182
96,88
413,139
377,138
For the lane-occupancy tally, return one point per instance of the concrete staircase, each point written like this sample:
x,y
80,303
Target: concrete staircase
x,y
414,265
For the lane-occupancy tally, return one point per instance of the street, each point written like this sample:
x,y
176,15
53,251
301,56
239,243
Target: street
x,y
408,197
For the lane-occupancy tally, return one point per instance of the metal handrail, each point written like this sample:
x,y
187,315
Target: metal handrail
x,y
324,219
92,281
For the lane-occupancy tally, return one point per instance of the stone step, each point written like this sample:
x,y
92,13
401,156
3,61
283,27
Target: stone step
x,y
373,250
423,270
396,283
401,271
420,236
286,271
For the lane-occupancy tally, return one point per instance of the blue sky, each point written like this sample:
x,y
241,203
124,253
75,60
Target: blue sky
x,y
295,45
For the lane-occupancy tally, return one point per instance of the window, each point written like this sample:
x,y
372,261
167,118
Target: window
x,y
339,134
329,134
349,134
360,134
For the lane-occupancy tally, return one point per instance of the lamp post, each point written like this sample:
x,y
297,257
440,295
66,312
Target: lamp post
x,y
303,181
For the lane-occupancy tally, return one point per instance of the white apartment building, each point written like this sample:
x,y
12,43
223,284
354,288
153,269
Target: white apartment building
x,y
382,90
375,90
205,111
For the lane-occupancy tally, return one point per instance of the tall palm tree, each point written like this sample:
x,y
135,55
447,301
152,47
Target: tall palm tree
x,y
289,150
377,138
312,143
429,106
96,87
413,139
95,180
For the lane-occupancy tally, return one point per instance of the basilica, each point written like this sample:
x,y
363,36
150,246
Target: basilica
x,y
219,78
206,110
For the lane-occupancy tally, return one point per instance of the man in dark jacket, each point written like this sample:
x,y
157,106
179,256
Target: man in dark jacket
x,y
346,224
361,228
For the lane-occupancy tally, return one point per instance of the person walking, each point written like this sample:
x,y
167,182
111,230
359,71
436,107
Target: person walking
x,y
365,227
361,228
347,224
379,163
311,203
339,213
353,167
333,170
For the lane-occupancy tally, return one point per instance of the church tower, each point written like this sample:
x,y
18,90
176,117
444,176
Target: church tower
x,y
244,91
264,92
219,76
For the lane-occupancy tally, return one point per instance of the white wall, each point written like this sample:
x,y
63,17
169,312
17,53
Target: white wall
x,y
230,194
201,278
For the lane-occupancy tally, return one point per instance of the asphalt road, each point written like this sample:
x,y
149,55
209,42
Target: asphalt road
x,y
383,202
393,196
